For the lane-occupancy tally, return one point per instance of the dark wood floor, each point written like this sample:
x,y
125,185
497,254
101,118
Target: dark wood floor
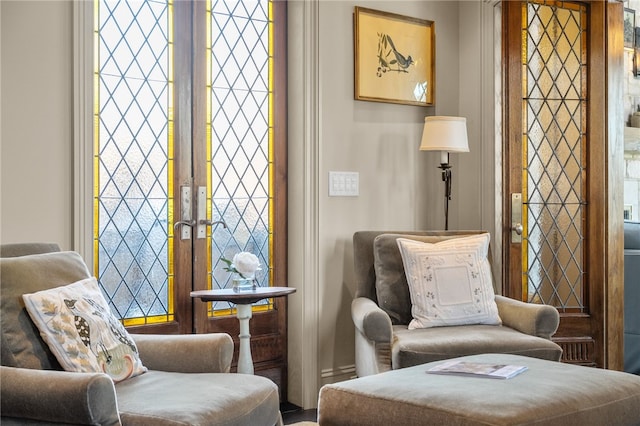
x,y
293,414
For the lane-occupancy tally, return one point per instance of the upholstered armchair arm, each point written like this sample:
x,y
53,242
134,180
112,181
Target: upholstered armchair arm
x,y
371,321
373,338
530,318
186,353
57,397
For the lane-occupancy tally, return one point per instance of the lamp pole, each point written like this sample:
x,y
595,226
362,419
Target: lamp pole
x,y
446,178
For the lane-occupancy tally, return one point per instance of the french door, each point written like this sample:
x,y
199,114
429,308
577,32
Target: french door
x,y
555,172
190,164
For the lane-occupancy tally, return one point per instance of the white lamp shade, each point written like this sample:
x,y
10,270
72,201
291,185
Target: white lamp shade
x,y
447,134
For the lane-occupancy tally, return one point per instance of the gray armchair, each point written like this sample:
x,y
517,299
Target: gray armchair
x,y
631,297
187,382
383,340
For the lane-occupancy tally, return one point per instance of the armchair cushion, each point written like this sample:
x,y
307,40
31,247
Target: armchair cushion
x,y
78,326
162,398
197,397
392,289
450,282
22,345
413,347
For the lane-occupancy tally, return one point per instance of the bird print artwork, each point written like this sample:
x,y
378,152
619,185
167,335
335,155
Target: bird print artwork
x,y
389,58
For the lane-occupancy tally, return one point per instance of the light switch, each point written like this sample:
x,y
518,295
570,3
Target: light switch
x,y
344,184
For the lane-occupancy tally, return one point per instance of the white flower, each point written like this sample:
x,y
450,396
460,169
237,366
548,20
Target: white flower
x,y
243,263
246,263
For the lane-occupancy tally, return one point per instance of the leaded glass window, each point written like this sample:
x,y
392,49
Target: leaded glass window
x,y
134,162
239,129
554,110
133,158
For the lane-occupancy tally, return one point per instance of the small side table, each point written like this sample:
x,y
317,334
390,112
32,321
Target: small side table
x,y
243,301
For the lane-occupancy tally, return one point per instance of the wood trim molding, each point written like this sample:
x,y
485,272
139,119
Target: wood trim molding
x,y
614,238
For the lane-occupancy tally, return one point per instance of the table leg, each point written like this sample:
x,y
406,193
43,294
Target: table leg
x,y
245,363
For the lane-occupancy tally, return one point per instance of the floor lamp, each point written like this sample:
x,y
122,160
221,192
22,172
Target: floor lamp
x,y
445,134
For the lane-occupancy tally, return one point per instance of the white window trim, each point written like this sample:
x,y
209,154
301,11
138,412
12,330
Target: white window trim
x,y
83,129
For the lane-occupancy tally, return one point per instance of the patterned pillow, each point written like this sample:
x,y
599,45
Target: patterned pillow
x,y
450,282
76,323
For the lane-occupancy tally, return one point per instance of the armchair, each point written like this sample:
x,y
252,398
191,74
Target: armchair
x,y
187,382
383,340
631,297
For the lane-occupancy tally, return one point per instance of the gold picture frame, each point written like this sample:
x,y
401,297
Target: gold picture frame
x,y
629,28
394,58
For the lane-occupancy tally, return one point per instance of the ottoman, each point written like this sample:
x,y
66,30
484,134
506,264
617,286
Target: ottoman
x,y
548,393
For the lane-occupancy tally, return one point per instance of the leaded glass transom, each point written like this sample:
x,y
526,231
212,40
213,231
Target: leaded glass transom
x,y
133,158
554,156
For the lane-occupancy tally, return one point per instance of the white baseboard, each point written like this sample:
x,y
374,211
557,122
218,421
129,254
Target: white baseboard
x,y
337,374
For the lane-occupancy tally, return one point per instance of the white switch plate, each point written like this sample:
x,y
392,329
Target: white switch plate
x,y
344,184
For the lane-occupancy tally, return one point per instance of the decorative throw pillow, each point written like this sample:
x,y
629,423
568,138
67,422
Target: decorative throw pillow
x,y
76,323
392,290
450,282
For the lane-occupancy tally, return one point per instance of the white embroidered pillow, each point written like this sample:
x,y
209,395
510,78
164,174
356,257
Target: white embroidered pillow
x,y
76,323
450,282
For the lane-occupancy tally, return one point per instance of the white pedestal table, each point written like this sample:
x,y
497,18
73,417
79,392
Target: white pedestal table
x,y
243,301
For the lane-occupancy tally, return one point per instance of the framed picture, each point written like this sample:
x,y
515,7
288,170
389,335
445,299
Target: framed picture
x,y
636,53
629,28
394,58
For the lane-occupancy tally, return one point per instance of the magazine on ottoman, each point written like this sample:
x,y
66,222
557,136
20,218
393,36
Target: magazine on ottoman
x,y
477,369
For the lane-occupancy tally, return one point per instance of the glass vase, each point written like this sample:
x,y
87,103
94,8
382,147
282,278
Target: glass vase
x,y
243,283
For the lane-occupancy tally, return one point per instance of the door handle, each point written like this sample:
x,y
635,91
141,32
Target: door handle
x,y
210,223
517,228
203,222
184,222
185,213
516,218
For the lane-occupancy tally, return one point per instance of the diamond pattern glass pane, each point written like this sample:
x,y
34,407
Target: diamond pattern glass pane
x,y
133,182
554,166
240,134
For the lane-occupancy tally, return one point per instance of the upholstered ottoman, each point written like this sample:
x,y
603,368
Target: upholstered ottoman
x,y
548,393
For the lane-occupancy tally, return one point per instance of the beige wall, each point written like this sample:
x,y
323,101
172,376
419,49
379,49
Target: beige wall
x,y
400,187
36,122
